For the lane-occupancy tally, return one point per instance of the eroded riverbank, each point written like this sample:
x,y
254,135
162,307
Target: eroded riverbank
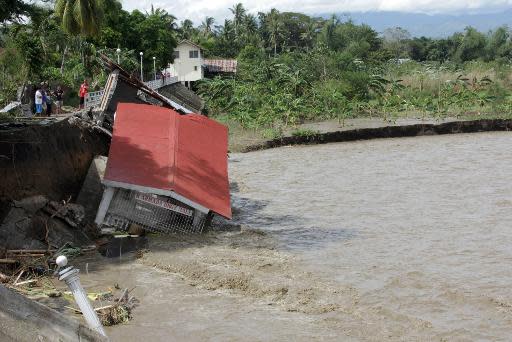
x,y
392,239
376,129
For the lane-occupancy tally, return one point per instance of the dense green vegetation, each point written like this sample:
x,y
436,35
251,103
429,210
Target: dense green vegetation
x,y
61,45
292,67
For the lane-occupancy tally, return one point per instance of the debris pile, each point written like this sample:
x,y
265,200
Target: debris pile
x,y
36,223
113,306
119,311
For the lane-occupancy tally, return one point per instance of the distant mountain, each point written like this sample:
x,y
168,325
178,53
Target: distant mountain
x,y
435,26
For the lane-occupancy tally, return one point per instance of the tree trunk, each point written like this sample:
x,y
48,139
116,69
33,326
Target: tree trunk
x,y
63,59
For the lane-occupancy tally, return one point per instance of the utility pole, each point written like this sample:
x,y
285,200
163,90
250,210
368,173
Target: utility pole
x,y
154,67
141,75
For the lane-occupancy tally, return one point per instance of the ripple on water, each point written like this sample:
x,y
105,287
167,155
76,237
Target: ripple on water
x,y
420,225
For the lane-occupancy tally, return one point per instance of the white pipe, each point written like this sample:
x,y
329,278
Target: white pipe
x,y
70,276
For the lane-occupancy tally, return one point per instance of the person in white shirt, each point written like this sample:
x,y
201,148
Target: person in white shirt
x,y
39,101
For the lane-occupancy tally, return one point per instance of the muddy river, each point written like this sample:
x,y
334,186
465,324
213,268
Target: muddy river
x,y
397,239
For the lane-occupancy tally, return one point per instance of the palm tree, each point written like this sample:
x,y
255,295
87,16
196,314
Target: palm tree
x,y
82,17
164,16
308,35
187,28
251,24
275,27
239,13
206,25
332,23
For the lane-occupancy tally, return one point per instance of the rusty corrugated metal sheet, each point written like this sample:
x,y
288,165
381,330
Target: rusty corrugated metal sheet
x,y
221,65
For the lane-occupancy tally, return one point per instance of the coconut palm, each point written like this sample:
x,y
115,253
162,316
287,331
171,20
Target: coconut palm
x,y
82,17
275,27
164,16
239,13
187,29
206,25
308,35
251,24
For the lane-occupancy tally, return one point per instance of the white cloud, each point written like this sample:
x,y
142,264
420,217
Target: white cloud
x,y
196,10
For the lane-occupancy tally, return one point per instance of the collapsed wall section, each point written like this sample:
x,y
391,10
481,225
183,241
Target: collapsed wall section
x,y
50,159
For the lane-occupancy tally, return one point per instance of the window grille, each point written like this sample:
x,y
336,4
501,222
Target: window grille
x,y
153,213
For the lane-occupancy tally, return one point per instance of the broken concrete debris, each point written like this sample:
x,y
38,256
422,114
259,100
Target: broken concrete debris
x,y
37,223
11,107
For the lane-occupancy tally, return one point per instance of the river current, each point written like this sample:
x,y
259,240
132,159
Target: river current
x,y
391,239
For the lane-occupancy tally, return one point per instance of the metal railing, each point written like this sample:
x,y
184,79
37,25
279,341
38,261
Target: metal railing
x,y
155,84
94,98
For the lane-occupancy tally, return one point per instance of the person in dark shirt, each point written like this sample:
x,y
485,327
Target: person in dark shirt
x,y
48,99
59,93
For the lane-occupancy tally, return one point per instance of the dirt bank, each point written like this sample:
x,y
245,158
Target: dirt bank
x,y
50,159
388,131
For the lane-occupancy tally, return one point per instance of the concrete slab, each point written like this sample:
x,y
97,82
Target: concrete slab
x,y
24,320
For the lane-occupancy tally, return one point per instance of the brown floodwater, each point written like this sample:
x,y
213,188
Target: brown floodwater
x,y
394,239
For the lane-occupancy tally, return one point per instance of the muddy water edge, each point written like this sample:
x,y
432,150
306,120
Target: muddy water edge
x,y
390,239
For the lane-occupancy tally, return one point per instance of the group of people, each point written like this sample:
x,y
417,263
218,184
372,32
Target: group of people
x,y
43,99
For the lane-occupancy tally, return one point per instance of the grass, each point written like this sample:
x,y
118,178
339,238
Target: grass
x,y
303,132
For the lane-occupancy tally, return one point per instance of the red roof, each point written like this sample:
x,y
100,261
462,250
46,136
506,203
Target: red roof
x,y
165,152
220,65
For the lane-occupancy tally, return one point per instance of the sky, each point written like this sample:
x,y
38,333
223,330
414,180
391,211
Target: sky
x,y
196,10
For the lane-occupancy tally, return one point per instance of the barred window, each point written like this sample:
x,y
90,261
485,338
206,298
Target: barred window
x,y
193,54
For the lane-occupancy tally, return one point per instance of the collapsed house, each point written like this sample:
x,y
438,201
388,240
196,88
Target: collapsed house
x,y
31,145
166,172
167,166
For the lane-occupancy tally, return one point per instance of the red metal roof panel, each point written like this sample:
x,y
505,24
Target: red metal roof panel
x,y
155,147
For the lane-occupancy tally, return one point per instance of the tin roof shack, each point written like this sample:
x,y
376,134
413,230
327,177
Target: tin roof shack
x,y
166,172
214,67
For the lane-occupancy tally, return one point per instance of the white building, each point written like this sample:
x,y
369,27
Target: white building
x,y
188,61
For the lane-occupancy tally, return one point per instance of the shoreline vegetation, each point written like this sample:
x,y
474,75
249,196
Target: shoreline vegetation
x,y
292,68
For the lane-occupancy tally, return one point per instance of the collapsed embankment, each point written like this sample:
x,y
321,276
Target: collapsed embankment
x,y
50,159
394,131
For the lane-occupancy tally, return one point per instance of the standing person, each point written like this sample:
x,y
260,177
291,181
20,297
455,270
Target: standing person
x,y
30,93
84,88
43,92
48,100
59,94
38,100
